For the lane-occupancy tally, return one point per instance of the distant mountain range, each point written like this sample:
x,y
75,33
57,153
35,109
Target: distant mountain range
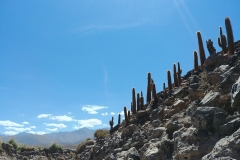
x,y
70,139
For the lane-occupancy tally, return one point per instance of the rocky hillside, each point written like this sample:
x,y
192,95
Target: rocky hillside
x,y
196,117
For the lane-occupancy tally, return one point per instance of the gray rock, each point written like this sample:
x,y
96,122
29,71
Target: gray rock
x,y
156,123
210,99
193,79
157,132
230,127
214,77
203,117
126,155
235,95
218,120
226,148
128,131
157,113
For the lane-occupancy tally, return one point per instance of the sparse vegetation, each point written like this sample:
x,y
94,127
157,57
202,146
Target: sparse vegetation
x,y
100,134
203,79
25,158
55,148
82,145
88,139
13,143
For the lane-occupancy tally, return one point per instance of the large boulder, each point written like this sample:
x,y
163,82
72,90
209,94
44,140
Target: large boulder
x,y
203,118
132,154
211,99
230,127
226,148
235,95
128,131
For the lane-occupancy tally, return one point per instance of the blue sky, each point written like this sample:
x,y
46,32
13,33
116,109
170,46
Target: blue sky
x,y
65,65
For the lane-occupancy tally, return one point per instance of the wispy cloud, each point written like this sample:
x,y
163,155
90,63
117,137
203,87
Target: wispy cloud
x,y
52,129
38,132
8,123
60,125
104,114
44,115
112,113
87,123
25,123
62,118
17,129
122,113
92,109
11,133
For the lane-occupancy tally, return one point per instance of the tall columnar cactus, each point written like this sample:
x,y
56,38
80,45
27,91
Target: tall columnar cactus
x,y
179,72
169,80
222,42
149,88
119,119
200,48
195,60
210,47
229,36
133,101
126,116
175,75
111,123
154,92
142,101
129,115
164,87
138,101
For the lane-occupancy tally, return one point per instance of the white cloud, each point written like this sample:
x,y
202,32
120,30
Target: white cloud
x,y
38,132
60,125
52,129
104,124
122,113
92,109
25,123
10,133
62,118
17,129
87,123
8,123
43,115
33,127
112,113
104,114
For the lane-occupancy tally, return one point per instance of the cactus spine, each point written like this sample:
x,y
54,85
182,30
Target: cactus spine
x,y
229,36
126,116
195,60
111,123
133,101
175,75
149,88
119,119
222,42
200,48
169,80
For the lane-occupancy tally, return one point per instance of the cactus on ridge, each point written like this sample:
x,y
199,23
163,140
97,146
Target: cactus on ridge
x,y
138,101
179,72
175,75
119,119
133,101
169,80
111,123
129,115
210,47
142,101
126,116
222,42
149,88
154,93
195,60
200,48
230,38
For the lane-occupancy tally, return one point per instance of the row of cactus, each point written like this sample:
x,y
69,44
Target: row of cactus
x,y
137,104
222,42
176,77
